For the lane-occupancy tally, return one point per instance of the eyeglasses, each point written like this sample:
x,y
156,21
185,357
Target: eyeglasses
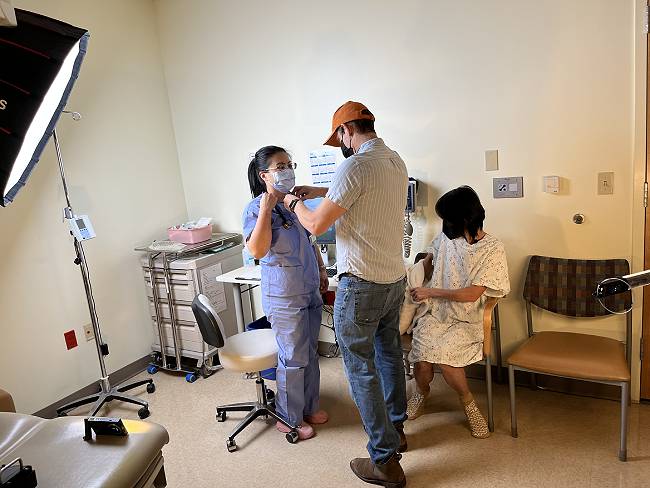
x,y
282,166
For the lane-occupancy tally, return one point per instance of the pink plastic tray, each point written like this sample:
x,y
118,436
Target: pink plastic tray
x,y
190,236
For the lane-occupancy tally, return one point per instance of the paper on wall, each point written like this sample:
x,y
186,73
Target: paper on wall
x,y
323,165
213,289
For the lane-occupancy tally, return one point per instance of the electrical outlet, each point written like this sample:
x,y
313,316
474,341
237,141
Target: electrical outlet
x,y
89,333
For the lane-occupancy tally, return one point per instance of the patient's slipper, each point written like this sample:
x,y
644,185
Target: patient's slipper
x,y
477,424
319,417
305,431
414,405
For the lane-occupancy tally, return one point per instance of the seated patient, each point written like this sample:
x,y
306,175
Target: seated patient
x,y
469,266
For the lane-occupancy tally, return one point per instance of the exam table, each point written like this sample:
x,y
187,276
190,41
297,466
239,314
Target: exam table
x,y
61,458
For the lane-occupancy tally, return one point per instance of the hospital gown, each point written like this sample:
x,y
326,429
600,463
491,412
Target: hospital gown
x,y
452,332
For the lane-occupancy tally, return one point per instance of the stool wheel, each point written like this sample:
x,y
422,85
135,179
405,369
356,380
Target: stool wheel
x,y
221,415
151,388
292,437
144,412
231,446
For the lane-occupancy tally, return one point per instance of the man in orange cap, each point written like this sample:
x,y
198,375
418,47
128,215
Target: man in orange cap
x,y
366,199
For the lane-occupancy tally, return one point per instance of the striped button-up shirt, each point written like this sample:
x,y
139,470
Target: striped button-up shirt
x,y
371,185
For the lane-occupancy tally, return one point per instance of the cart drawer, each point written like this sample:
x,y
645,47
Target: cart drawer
x,y
183,275
182,312
188,339
182,291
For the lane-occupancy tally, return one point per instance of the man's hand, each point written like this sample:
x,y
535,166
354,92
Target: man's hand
x,y
267,202
305,192
288,198
420,294
324,281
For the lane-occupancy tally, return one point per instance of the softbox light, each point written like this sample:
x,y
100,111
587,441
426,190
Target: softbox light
x,y
40,61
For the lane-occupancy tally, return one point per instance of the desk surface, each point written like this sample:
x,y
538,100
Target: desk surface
x,y
251,275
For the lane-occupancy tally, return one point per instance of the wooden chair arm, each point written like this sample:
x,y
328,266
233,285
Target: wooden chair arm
x,y
487,325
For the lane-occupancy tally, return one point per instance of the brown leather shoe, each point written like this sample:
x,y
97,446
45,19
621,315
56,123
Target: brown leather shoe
x,y
403,445
389,475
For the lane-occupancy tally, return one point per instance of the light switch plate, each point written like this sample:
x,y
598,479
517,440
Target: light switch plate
x,y
606,183
491,160
552,184
512,187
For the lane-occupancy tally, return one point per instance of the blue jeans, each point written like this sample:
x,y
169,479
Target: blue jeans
x,y
366,319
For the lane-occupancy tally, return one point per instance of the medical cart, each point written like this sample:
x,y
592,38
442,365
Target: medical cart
x,y
173,277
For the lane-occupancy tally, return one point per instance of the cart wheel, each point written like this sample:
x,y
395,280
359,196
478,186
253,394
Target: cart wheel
x,y
144,412
151,388
152,369
230,444
292,437
190,377
221,415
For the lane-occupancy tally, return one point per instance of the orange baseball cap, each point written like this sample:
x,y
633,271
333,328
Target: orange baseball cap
x,y
347,112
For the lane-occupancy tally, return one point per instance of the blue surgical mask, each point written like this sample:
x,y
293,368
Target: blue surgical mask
x,y
284,180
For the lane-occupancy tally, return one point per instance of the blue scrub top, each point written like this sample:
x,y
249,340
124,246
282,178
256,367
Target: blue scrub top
x,y
290,267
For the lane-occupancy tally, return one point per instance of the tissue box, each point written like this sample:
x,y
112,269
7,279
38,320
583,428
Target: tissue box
x,y
190,236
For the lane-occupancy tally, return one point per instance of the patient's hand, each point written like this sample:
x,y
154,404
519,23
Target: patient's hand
x,y
421,293
427,264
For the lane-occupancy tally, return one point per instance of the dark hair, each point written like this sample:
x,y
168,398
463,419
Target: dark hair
x,y
260,162
362,126
460,210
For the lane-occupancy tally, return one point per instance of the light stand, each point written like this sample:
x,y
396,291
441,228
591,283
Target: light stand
x,y
621,284
106,393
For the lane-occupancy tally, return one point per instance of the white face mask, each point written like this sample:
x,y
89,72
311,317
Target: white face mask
x,y
284,180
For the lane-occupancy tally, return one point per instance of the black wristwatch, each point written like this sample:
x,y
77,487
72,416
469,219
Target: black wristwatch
x,y
292,205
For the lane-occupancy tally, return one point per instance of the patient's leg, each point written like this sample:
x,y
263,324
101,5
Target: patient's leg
x,y
423,373
455,377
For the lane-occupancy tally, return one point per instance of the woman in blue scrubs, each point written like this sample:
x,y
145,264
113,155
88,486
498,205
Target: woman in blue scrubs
x,y
293,277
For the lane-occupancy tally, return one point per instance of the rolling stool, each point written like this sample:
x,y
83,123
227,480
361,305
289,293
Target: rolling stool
x,y
252,351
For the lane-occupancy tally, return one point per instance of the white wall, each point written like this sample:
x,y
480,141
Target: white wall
x,y
549,84
123,171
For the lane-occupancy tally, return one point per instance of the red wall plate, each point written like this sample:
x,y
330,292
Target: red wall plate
x,y
70,339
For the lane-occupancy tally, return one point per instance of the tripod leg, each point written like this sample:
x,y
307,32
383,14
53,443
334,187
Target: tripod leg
x,y
103,398
77,403
122,389
130,399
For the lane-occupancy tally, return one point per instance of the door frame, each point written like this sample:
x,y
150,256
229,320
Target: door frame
x,y
645,327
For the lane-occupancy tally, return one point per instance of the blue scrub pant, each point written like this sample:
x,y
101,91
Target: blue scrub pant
x,y
296,321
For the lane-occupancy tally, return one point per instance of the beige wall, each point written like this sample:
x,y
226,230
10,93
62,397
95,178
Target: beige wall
x,y
123,171
557,87
549,84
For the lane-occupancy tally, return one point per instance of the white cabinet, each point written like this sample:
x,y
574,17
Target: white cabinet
x,y
188,275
